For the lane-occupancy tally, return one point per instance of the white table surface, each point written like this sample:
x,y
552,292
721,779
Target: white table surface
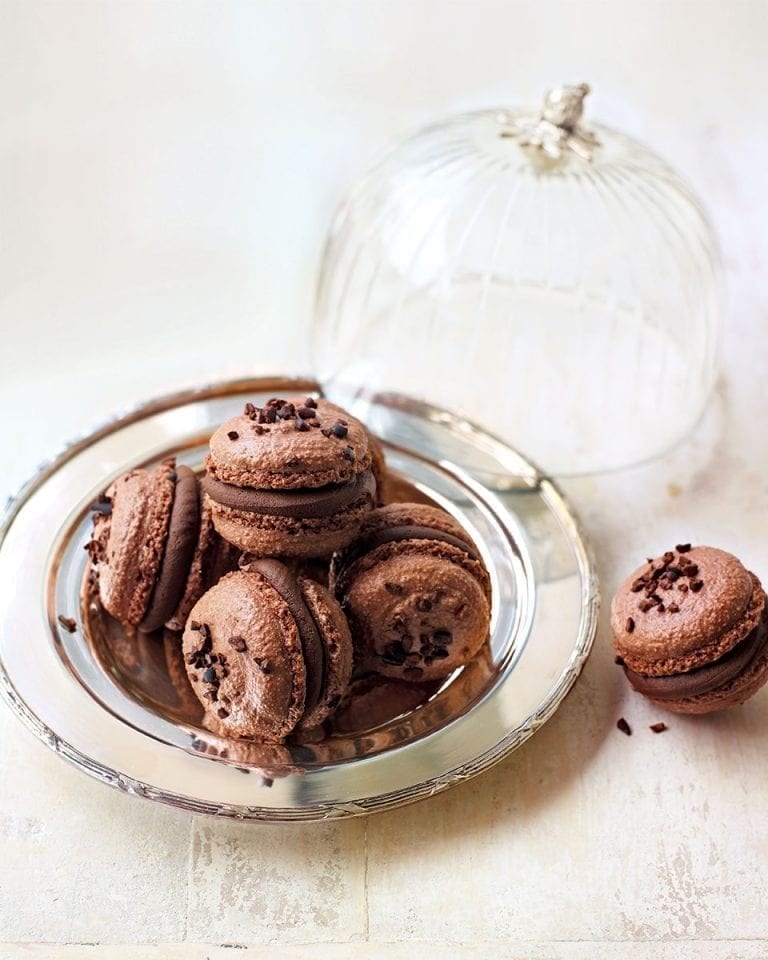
x,y
167,173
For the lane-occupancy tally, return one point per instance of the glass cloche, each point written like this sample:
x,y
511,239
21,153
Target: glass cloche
x,y
557,283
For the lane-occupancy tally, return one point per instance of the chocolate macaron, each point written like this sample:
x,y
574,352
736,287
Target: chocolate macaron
x,y
416,593
691,630
293,478
153,546
267,652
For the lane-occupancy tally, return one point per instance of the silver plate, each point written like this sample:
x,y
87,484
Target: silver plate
x,y
119,716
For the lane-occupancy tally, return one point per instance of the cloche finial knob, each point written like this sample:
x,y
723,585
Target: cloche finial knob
x,y
557,129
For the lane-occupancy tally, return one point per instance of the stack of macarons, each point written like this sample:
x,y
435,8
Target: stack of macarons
x,y
293,478
288,577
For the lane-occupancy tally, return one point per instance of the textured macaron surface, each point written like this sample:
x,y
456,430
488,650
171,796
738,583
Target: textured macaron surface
x,y
272,536
683,610
417,614
415,515
136,531
244,658
289,444
416,592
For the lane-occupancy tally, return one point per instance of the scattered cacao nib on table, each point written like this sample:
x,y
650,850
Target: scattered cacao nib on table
x,y
622,725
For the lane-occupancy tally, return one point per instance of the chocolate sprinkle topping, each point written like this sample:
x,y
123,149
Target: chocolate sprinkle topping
x,y
68,623
659,727
233,435
630,625
622,725
394,653
664,577
238,643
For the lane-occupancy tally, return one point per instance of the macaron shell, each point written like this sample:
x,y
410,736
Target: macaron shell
x,y
334,630
417,609
708,623
731,694
270,536
141,509
414,515
278,456
260,689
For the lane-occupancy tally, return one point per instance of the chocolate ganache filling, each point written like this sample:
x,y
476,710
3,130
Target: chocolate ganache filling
x,y
281,578
306,504
396,534
178,552
679,686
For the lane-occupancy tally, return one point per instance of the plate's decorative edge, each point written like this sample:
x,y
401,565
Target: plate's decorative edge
x,y
317,811
314,812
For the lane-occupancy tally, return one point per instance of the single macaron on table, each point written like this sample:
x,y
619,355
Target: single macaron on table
x,y
690,630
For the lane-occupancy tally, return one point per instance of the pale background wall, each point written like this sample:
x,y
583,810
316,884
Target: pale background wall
x,y
167,174
169,169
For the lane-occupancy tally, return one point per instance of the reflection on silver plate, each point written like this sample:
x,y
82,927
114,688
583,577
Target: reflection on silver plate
x,y
118,706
